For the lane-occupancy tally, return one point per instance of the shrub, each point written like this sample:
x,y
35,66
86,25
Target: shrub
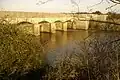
x,y
19,52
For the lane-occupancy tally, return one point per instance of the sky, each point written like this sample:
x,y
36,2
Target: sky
x,y
56,6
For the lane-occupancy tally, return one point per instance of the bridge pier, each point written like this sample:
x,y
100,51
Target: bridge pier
x,y
36,30
87,25
48,27
41,28
69,24
53,28
62,26
45,27
65,25
74,25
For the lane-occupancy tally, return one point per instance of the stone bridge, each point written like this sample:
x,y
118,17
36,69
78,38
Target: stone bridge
x,y
58,22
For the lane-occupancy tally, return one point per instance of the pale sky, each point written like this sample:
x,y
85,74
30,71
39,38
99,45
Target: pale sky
x,y
54,6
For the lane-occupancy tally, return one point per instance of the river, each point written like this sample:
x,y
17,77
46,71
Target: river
x,y
62,42
61,38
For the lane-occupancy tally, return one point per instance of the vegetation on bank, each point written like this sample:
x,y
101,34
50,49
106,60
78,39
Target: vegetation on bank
x,y
104,26
112,23
113,15
19,52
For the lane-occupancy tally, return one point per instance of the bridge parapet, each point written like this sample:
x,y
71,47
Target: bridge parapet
x,y
63,19
92,17
36,20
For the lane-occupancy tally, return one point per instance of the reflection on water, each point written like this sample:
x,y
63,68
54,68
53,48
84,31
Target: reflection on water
x,y
61,38
65,42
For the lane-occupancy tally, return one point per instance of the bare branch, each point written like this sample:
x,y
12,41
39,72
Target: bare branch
x,y
115,1
42,2
97,3
75,3
111,6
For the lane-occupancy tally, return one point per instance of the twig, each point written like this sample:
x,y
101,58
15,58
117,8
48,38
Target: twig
x,y
111,6
115,1
42,2
97,3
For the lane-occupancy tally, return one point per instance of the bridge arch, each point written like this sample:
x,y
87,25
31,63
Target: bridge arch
x,y
24,22
59,25
26,27
43,22
45,26
57,21
69,24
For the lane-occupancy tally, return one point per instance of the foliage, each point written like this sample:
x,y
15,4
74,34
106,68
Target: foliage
x,y
113,16
97,12
19,52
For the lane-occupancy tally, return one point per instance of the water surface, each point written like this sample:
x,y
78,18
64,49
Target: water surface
x,y
67,42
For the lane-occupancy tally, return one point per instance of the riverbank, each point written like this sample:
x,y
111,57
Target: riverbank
x,y
20,53
24,57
